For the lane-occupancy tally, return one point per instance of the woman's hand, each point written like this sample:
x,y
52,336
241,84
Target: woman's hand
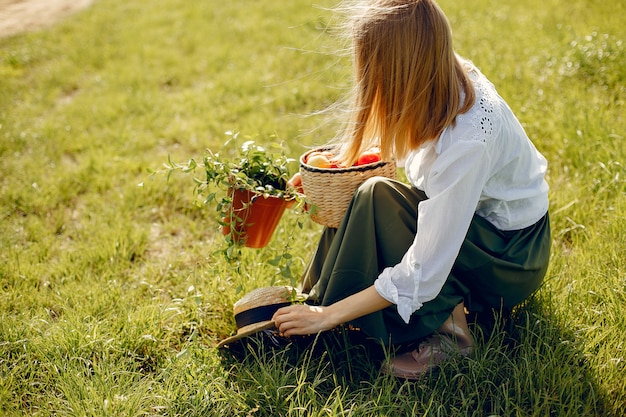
x,y
296,182
303,320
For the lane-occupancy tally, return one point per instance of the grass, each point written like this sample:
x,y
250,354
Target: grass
x,y
112,298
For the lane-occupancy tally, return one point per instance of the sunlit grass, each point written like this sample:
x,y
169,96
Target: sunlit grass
x,y
113,295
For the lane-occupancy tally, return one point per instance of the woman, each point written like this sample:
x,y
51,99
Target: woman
x,y
471,231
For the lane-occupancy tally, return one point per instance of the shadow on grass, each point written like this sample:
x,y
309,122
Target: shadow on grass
x,y
528,363
346,354
525,364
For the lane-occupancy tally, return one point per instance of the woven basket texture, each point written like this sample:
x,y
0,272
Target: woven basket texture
x,y
329,190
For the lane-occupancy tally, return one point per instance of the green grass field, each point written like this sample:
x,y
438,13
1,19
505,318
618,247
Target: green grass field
x,y
112,296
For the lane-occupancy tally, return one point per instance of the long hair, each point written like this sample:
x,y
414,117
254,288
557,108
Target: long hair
x,y
408,79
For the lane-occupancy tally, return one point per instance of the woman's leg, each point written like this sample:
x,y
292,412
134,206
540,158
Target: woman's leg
x,y
379,227
502,268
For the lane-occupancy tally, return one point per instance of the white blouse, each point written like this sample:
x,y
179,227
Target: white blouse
x,y
484,164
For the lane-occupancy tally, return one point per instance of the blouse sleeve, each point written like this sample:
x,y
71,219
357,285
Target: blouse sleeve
x,y
454,186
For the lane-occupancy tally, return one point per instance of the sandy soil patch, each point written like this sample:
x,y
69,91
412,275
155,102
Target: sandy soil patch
x,y
18,16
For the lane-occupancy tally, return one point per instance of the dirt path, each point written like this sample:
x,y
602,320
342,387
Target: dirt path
x,y
25,15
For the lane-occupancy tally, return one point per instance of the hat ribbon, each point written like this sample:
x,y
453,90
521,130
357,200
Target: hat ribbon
x,y
257,314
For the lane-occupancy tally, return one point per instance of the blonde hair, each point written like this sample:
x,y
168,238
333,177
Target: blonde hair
x,y
408,80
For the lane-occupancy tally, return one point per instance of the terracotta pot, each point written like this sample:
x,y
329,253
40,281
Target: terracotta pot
x,y
255,217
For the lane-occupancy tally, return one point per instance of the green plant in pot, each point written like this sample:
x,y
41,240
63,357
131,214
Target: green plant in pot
x,y
250,191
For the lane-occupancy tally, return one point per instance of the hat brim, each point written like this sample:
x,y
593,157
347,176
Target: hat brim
x,y
250,330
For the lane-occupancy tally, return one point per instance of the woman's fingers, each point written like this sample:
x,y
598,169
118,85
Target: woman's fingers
x,y
300,320
296,182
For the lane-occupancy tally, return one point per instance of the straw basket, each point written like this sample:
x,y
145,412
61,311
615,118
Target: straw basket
x,y
329,190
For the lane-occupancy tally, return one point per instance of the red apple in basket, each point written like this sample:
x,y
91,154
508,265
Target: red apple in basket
x,y
369,157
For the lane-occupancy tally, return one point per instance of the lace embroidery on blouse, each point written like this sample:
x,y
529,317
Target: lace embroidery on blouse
x,y
480,116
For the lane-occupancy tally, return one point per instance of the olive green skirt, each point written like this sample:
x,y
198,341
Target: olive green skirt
x,y
494,270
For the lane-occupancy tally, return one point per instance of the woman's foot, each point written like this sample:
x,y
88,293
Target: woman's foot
x,y
452,338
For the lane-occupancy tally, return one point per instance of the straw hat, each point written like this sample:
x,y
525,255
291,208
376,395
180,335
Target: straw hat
x,y
253,313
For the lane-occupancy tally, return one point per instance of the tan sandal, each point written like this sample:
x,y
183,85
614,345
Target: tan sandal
x,y
452,338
